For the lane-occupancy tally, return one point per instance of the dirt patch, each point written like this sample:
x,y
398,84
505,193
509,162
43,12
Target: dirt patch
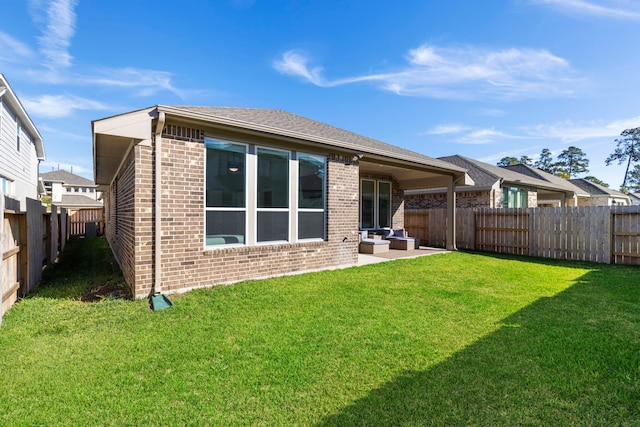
x,y
101,292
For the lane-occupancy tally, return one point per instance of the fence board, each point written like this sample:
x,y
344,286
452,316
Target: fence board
x,y
25,240
626,235
78,219
1,249
10,248
599,234
55,233
35,244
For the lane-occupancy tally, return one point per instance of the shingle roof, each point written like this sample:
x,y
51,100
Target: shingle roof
x,y
485,175
596,189
284,123
482,177
540,174
67,178
78,200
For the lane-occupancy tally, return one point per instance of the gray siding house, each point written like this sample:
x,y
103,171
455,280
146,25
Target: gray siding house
x,y
21,150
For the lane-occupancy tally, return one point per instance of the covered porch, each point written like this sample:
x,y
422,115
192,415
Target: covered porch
x,y
382,185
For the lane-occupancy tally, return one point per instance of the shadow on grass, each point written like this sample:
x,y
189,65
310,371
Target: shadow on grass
x,y
571,359
84,267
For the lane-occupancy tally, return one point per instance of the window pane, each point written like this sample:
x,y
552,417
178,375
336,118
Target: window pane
x,y
273,178
226,174
367,204
384,204
311,225
225,227
273,226
311,182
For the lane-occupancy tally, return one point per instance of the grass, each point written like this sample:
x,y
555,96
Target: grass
x,y
453,339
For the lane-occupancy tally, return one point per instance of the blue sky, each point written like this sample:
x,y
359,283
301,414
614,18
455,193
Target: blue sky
x,y
480,79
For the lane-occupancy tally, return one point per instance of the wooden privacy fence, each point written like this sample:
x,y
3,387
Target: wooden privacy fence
x,y
79,218
28,241
603,234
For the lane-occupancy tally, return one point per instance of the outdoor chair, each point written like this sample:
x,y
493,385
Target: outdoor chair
x,y
372,246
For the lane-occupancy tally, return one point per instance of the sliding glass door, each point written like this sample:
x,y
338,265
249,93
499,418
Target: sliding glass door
x,y
375,204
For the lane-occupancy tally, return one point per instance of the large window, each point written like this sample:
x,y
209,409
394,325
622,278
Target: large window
x,y
311,196
257,195
225,192
513,197
375,204
273,195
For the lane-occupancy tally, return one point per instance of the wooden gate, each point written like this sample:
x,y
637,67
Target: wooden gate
x,y
625,247
81,217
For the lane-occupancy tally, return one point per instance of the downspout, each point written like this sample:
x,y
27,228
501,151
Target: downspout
x,y
158,204
158,301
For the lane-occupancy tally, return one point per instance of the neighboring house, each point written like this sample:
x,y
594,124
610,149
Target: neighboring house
x,y
70,191
496,187
21,150
635,198
579,195
599,195
198,196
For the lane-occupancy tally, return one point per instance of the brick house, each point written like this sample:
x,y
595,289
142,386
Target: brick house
x,y
246,193
518,186
600,195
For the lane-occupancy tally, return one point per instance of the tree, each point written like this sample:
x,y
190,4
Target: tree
x,y
596,180
633,181
574,161
628,149
526,160
545,162
508,161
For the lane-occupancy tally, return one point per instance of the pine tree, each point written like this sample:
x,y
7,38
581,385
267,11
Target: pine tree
x,y
628,149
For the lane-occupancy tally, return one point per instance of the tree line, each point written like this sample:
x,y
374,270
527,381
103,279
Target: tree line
x,y
572,161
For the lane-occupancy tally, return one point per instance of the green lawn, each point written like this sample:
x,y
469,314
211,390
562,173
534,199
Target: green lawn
x,y
450,339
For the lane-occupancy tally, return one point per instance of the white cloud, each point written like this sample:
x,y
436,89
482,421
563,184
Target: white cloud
x,y
143,82
59,29
446,130
458,73
618,9
57,106
13,50
484,136
569,131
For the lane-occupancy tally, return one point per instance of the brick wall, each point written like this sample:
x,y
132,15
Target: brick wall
x,y
119,218
185,262
464,199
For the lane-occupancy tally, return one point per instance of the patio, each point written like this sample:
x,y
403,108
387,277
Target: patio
x,y
392,254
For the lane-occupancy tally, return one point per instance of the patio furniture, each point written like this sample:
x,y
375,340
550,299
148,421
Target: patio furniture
x,y
400,240
372,246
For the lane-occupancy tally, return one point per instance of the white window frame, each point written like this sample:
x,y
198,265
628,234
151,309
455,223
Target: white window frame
x,y
288,210
248,235
296,192
251,188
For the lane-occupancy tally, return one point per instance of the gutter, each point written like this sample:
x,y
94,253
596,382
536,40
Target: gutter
x,y
235,124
